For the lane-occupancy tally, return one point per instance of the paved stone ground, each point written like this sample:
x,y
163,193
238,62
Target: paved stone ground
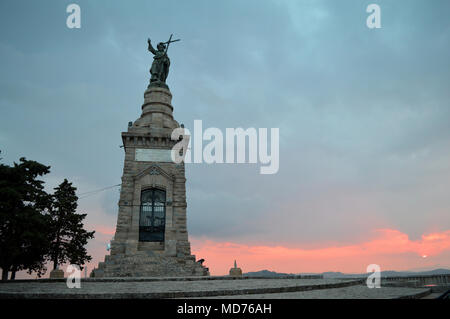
x,y
287,288
163,289
352,292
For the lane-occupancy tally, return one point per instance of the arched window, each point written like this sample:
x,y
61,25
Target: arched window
x,y
152,219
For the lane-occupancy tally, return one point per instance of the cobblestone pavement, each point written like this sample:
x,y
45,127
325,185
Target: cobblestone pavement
x,y
352,292
161,289
240,289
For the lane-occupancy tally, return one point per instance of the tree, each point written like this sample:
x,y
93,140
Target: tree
x,y
24,230
68,235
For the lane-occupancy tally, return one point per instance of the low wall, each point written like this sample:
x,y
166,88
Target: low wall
x,y
420,281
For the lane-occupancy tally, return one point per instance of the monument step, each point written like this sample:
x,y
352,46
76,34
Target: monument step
x,y
149,264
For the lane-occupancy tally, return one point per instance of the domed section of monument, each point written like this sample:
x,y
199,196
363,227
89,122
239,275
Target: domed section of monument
x,y
157,111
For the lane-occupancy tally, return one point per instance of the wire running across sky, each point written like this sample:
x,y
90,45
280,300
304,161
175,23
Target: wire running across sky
x,y
90,193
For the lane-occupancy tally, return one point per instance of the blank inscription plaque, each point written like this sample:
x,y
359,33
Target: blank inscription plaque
x,y
152,155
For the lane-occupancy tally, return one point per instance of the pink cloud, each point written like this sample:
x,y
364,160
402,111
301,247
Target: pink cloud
x,y
103,230
390,248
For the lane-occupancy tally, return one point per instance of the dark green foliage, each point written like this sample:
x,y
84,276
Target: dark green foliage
x,y
24,231
69,238
36,227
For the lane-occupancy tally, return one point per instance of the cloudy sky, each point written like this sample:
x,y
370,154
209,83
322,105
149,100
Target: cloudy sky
x,y
364,119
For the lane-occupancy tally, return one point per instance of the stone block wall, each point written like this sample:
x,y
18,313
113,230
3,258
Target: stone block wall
x,y
173,256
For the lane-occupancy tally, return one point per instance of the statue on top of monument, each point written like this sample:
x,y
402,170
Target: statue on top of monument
x,y
161,62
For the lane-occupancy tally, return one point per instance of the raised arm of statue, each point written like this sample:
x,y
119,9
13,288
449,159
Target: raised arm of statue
x,y
150,47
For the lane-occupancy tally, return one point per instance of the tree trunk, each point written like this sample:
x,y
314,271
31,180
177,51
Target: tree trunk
x,y
13,272
5,273
55,261
55,255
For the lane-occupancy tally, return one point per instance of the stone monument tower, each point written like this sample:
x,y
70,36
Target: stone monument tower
x,y
151,237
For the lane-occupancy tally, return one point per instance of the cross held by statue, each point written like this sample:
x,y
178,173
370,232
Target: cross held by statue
x,y
170,41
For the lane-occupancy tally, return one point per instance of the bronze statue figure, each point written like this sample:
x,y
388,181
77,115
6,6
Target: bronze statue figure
x,y
161,62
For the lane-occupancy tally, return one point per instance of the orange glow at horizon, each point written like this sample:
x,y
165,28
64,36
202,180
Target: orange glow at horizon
x,y
391,249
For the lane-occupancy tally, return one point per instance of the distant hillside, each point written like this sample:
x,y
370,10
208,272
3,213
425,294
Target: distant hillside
x,y
332,274
266,273
388,273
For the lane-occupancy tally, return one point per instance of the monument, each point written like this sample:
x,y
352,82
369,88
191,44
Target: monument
x,y
151,236
235,271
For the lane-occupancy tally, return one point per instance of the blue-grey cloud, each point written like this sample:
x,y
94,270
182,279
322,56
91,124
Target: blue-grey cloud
x,y
363,114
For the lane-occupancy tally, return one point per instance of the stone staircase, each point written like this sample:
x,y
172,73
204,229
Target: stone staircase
x,y
149,264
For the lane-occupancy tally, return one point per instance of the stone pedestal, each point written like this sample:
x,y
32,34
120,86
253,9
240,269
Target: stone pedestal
x,y
57,274
235,272
147,166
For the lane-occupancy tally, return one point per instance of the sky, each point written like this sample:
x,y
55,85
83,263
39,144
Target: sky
x,y
363,114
